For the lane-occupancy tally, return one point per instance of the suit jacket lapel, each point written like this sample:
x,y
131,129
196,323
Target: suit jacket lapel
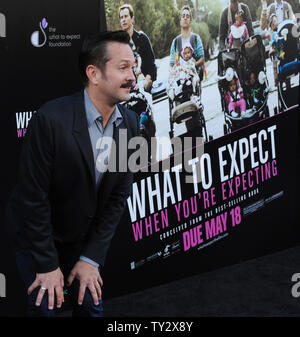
x,y
81,134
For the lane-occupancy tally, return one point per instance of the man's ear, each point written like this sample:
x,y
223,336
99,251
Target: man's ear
x,y
93,74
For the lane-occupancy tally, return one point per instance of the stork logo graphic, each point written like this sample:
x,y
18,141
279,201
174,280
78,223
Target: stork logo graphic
x,y
39,37
2,25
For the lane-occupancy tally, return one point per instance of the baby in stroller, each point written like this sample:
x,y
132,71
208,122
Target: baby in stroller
x,y
141,103
183,77
187,60
255,92
235,98
184,91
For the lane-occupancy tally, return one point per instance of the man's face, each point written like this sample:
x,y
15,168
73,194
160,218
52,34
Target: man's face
x,y
185,19
126,20
116,81
252,79
234,5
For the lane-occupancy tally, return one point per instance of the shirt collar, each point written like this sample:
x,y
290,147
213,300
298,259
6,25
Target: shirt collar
x,y
278,5
93,114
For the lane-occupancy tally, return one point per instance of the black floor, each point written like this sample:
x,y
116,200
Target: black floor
x,y
259,287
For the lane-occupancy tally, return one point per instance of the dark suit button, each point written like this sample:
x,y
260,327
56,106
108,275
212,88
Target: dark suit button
x,y
90,216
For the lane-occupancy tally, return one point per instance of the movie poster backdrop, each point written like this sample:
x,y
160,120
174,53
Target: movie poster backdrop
x,y
229,194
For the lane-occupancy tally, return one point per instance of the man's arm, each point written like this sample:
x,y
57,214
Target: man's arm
x,y
148,62
106,222
223,29
34,184
94,252
172,54
199,52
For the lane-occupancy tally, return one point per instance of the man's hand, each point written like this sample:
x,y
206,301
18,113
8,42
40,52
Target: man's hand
x,y
88,276
53,281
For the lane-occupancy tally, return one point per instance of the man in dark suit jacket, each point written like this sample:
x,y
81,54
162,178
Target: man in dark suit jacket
x,y
67,204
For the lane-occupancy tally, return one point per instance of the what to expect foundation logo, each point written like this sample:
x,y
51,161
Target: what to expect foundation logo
x,y
49,36
39,37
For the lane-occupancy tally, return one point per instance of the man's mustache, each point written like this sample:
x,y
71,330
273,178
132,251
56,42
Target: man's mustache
x,y
127,85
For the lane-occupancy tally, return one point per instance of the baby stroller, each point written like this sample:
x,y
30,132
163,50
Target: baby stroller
x,y
288,65
242,62
185,105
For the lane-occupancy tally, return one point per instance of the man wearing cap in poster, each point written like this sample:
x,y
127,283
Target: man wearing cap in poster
x,y
282,9
141,44
227,20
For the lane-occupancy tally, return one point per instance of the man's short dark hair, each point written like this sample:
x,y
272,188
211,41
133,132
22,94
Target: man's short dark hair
x,y
186,7
129,7
94,50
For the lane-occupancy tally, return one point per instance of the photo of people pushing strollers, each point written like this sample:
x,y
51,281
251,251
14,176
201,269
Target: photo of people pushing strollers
x,y
242,70
207,70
